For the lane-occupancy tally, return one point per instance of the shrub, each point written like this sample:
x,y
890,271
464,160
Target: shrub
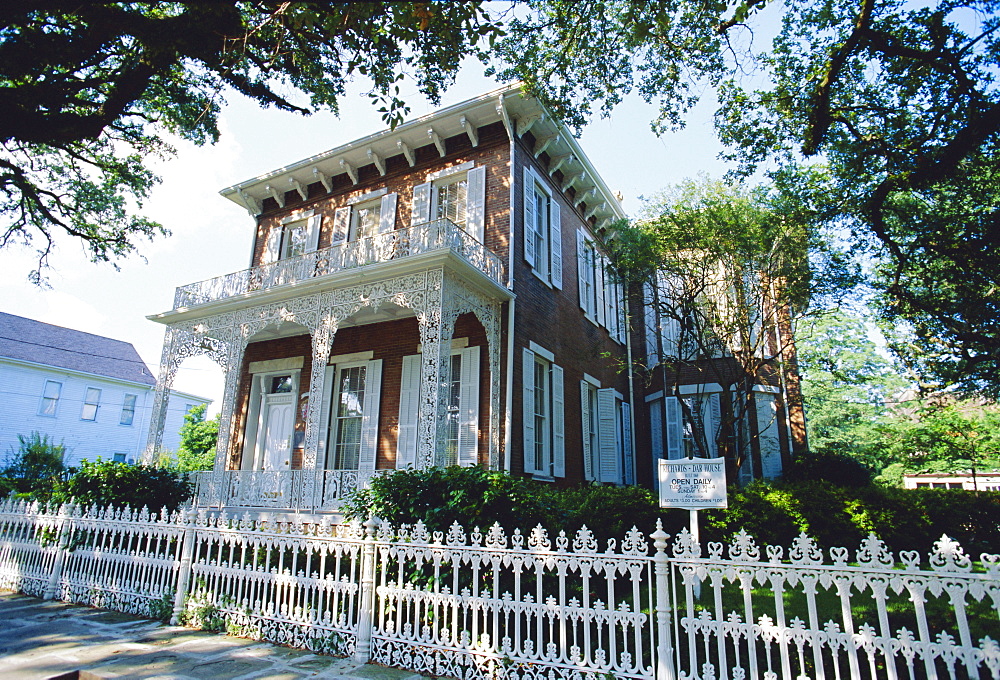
x,y
105,482
838,469
608,511
471,496
34,468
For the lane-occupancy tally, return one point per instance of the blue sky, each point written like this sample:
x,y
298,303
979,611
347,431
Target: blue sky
x,y
213,236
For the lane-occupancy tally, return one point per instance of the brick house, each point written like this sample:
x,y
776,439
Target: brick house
x,y
429,295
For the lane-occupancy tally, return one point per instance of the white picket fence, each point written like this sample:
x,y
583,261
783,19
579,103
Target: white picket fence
x,y
525,605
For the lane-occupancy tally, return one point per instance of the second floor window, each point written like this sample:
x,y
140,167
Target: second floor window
x,y
91,404
457,194
295,236
128,410
542,230
50,398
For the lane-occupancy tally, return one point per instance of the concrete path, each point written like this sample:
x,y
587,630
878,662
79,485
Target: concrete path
x,y
42,640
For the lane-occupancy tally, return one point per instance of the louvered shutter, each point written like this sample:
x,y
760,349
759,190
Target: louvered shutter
x,y
608,429
409,404
558,424
421,204
582,270
622,316
649,310
387,213
530,218
468,423
656,432
312,240
627,443
712,417
588,455
601,312
341,225
768,437
675,428
324,422
670,330
555,243
272,248
369,423
475,219
528,410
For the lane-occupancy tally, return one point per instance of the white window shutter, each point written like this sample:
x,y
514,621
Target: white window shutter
x,y
675,429
409,403
324,420
601,312
649,308
656,429
475,221
341,225
387,213
312,241
272,248
582,270
558,424
468,423
421,204
608,428
588,455
670,331
530,218
369,424
713,422
627,443
528,410
555,243
622,316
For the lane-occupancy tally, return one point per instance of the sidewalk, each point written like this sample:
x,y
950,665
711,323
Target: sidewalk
x,y
42,640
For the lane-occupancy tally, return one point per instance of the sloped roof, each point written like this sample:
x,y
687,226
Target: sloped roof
x,y
41,343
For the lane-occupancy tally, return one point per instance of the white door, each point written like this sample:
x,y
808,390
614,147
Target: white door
x,y
278,413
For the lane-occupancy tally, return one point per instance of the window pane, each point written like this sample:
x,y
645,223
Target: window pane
x,y
541,416
453,415
296,239
128,410
50,398
368,218
91,404
348,418
281,384
452,201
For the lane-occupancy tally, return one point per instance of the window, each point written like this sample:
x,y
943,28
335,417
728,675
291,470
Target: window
x,y
349,429
294,237
461,428
691,434
607,434
120,457
90,404
456,194
542,230
50,398
543,414
128,410
364,216
590,432
601,297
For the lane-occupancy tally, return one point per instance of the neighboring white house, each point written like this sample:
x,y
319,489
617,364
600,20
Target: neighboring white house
x,y
91,393
988,480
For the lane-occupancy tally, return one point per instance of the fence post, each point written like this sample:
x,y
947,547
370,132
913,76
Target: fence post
x,y
661,568
184,573
63,531
366,614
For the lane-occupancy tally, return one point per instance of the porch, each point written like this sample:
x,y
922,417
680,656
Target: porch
x,y
299,491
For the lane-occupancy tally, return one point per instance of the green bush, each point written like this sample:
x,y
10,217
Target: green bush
x,y
839,469
105,482
33,470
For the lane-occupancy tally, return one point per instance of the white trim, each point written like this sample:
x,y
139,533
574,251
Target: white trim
x,y
277,365
455,169
541,351
351,357
369,196
592,380
654,396
704,388
769,389
456,343
297,217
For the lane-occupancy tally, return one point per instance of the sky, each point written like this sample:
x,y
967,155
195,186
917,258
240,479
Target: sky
x,y
212,236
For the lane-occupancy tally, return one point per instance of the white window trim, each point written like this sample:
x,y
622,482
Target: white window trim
x,y
86,403
368,452
351,357
448,172
135,408
297,217
555,416
549,270
370,196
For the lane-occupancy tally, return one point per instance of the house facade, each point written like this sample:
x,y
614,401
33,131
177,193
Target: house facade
x,y
89,392
426,296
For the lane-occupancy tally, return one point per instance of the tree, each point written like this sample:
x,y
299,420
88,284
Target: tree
x,y
848,387
87,93
726,274
899,101
34,468
198,438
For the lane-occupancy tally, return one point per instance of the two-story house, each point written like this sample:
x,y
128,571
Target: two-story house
x,y
91,393
429,295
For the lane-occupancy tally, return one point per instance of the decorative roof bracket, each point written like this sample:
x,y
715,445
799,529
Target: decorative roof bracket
x,y
378,161
252,204
558,162
297,185
436,138
526,123
470,129
324,178
350,170
543,143
278,196
584,196
602,206
574,179
407,152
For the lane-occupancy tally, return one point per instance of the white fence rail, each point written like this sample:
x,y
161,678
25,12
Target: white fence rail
x,y
296,490
483,605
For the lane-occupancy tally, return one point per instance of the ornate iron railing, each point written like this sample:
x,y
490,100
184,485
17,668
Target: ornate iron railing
x,y
302,490
391,246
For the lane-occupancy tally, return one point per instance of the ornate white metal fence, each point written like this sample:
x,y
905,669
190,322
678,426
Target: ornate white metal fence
x,y
479,605
295,490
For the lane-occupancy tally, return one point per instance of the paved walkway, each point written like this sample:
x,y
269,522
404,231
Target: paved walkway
x,y
42,640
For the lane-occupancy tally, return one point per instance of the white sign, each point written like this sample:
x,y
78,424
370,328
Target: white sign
x,y
693,483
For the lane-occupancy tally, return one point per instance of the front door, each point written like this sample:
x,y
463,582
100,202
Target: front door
x,y
278,412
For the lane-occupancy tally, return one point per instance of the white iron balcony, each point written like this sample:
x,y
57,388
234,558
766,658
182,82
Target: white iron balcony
x,y
419,246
